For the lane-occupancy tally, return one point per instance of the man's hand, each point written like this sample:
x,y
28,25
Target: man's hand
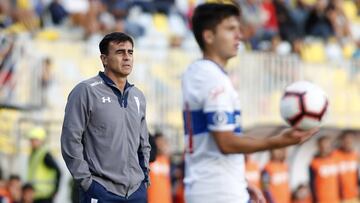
x,y
292,136
256,195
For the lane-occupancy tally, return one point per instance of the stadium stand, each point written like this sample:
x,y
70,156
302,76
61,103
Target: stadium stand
x,y
164,47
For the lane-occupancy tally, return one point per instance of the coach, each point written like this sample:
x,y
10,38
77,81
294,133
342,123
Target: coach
x,y
104,139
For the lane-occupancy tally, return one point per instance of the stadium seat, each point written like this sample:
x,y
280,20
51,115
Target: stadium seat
x,y
313,52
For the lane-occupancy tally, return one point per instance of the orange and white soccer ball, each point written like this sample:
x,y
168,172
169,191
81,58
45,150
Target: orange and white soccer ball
x,y
303,105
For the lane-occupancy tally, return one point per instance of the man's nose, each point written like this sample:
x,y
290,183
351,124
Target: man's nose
x,y
126,56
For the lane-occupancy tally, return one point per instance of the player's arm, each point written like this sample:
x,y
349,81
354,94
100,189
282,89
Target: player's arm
x,y
76,117
229,143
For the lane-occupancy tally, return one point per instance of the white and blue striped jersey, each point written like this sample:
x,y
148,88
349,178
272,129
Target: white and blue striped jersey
x,y
210,103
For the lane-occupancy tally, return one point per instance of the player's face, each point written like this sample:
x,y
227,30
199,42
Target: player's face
x,y
227,37
347,142
325,146
278,154
119,60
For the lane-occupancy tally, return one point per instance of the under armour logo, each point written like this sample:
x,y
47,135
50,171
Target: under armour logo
x,y
106,99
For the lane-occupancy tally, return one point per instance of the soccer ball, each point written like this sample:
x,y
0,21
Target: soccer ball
x,y
303,105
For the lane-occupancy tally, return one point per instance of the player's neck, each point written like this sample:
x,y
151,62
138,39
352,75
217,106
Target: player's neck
x,y
120,82
215,58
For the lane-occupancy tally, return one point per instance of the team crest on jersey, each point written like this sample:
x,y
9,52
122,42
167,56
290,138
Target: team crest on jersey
x,y
220,118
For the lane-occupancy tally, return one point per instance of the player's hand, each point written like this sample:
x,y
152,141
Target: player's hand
x,y
256,195
292,136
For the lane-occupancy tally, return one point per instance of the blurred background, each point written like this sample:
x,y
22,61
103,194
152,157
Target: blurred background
x,y
48,46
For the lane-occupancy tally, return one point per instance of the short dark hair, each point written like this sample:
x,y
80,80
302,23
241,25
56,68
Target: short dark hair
x,y
27,186
14,177
113,37
207,16
346,133
322,138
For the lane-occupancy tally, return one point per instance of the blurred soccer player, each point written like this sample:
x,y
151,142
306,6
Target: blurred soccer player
x,y
160,190
324,174
214,163
252,171
275,178
348,165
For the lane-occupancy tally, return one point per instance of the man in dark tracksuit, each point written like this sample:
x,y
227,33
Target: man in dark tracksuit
x,y
104,138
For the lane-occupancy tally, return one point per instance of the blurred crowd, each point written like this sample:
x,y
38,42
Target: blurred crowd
x,y
333,173
281,26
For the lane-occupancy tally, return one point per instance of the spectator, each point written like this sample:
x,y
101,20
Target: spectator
x,y
4,192
160,190
348,165
254,18
252,171
28,193
43,172
301,13
323,174
287,24
57,12
5,14
339,21
14,187
271,27
46,79
318,23
275,177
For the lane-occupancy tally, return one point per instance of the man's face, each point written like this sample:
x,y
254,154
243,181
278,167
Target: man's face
x,y
227,36
162,144
35,143
347,141
278,154
325,146
28,195
119,60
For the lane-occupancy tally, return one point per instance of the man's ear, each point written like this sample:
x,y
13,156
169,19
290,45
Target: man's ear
x,y
103,58
208,36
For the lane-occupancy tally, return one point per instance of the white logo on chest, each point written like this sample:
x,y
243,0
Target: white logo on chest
x,y
105,99
137,104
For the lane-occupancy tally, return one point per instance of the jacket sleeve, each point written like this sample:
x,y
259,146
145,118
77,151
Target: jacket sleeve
x,y
144,148
77,113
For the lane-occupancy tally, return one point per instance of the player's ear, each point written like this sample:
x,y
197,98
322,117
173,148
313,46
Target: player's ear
x,y
208,36
103,58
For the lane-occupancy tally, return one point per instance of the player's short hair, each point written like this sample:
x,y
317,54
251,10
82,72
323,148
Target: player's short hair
x,y
207,16
322,138
346,132
113,37
27,186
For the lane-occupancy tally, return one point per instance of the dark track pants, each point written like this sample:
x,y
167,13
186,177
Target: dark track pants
x,y
98,194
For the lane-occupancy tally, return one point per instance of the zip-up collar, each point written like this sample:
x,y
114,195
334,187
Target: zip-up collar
x,y
111,83
122,97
